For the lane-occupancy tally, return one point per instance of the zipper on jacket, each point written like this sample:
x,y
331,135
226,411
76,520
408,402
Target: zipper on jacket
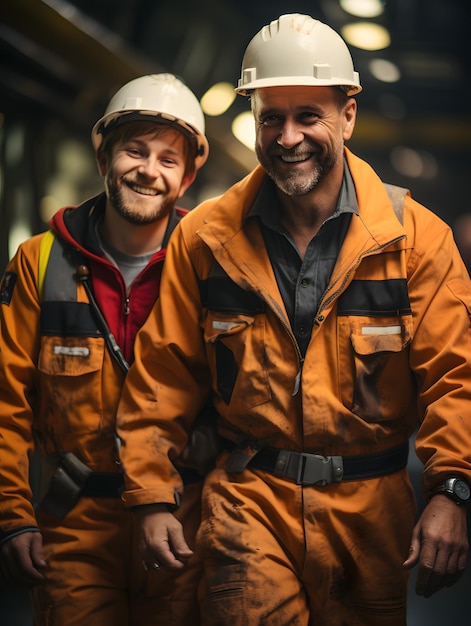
x,y
126,309
297,378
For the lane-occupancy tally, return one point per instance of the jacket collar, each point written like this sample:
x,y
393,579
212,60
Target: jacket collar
x,y
228,214
237,243
77,225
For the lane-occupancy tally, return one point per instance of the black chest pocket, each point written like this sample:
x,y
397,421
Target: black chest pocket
x,y
234,332
375,330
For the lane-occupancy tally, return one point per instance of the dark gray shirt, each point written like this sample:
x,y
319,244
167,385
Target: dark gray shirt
x,y
302,282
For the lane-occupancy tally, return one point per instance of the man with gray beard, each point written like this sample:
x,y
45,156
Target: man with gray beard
x,y
327,317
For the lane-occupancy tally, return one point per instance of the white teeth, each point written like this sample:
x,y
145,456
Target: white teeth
x,y
144,190
295,159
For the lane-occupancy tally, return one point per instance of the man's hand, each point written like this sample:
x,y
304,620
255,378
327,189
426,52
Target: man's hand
x,y
22,559
440,546
162,543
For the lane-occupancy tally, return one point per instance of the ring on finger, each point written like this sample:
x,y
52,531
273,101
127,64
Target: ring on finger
x,y
150,566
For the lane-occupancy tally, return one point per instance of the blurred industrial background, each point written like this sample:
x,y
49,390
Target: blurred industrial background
x,y
60,61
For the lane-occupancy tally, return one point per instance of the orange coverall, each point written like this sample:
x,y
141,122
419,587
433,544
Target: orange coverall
x,y
277,552
62,391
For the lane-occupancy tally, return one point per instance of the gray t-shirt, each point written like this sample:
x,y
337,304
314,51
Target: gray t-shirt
x,y
130,266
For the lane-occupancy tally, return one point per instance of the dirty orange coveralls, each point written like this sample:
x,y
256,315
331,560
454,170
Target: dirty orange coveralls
x,y
389,351
62,389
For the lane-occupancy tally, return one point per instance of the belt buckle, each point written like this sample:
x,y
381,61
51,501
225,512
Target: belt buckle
x,y
315,469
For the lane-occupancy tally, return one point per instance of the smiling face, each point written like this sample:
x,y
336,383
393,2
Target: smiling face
x,y
145,172
300,134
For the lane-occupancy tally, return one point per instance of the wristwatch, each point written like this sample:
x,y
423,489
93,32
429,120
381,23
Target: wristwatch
x,y
456,489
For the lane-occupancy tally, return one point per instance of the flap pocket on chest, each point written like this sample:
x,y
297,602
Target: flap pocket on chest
x,y
70,356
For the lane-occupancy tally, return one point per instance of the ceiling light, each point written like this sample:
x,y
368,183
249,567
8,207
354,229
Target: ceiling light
x,y
366,36
218,99
384,70
414,163
243,128
363,8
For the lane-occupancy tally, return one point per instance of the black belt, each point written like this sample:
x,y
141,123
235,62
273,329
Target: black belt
x,y
189,476
111,484
103,485
314,469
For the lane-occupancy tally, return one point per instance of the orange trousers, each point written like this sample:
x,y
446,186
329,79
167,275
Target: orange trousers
x,y
278,554
96,578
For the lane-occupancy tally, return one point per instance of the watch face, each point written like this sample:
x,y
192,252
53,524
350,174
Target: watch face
x,y
462,490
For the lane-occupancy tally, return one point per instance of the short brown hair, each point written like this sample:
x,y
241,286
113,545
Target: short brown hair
x,y
137,127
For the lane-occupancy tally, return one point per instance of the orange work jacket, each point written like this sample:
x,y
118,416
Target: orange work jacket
x,y
390,347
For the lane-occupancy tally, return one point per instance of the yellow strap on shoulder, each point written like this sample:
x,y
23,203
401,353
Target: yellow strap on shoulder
x,y
44,252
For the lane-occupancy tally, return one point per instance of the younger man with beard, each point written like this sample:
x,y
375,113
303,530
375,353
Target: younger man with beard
x,y
72,301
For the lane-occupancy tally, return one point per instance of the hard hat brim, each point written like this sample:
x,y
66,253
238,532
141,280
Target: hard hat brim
x,y
351,89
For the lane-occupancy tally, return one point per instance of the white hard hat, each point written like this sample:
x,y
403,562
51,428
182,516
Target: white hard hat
x,y
296,49
162,98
